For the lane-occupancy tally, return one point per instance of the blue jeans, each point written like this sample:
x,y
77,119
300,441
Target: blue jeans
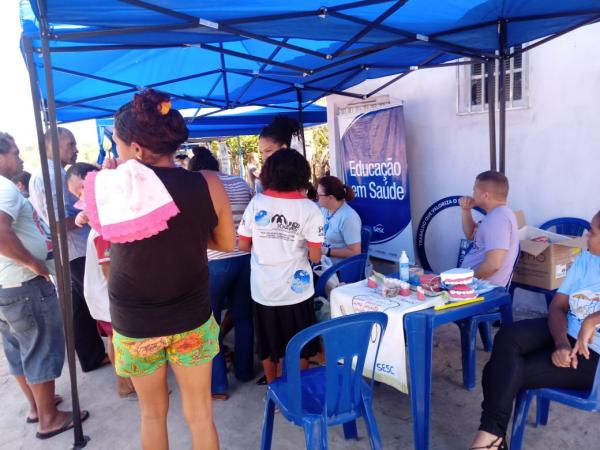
x,y
32,331
230,288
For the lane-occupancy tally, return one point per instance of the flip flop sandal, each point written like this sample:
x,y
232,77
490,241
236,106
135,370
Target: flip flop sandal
x,y
67,426
220,397
57,401
129,396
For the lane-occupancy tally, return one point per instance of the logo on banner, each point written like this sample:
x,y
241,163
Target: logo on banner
x,y
378,229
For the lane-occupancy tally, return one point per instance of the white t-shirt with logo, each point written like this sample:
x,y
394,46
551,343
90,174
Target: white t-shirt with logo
x,y
282,225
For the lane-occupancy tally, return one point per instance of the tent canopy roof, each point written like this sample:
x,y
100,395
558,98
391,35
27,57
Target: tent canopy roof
x,y
267,52
470,23
239,122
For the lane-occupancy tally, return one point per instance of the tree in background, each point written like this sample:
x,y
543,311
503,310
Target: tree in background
x,y
317,138
319,161
249,145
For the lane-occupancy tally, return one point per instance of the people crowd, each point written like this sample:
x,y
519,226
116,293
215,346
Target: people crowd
x,y
168,254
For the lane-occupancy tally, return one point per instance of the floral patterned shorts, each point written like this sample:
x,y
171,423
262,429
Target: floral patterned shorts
x,y
138,357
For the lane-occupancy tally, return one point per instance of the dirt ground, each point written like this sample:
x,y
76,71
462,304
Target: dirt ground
x,y
114,422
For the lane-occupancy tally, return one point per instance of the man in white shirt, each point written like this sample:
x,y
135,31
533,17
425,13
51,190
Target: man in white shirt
x,y
88,344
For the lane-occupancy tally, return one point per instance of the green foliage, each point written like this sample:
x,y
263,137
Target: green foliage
x,y
319,161
249,145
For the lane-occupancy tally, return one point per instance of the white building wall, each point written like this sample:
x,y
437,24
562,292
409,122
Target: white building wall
x,y
553,145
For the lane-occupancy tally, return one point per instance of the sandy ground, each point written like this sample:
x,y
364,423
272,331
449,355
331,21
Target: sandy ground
x,y
114,422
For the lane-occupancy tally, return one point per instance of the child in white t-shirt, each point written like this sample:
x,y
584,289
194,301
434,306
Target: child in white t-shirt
x,y
283,229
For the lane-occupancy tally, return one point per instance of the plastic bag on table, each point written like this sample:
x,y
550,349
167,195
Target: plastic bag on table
x,y
320,268
322,309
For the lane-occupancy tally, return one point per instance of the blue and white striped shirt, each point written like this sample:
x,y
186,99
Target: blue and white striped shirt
x,y
239,194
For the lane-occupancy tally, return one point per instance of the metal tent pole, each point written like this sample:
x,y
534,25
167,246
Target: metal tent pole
x,y
80,440
502,95
60,279
241,157
301,119
489,68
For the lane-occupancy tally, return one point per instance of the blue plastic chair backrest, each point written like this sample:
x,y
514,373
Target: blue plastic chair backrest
x,y
569,226
512,274
463,248
366,232
349,270
595,392
345,339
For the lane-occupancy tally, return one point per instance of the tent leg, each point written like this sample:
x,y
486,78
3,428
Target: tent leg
x,y
64,288
241,157
301,120
502,96
489,68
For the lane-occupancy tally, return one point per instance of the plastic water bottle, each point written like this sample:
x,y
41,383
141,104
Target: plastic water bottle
x,y
404,272
368,268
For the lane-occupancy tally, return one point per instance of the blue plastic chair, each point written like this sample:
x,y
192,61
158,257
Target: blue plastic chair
x,y
586,400
334,394
570,226
366,233
349,270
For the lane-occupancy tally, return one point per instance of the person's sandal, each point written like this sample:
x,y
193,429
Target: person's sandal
x,y
57,401
499,443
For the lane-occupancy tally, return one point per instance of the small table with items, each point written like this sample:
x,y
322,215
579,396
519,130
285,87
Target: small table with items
x,y
418,327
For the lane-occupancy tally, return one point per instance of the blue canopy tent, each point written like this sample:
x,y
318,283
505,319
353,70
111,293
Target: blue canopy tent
x,y
227,123
273,52
85,59
232,123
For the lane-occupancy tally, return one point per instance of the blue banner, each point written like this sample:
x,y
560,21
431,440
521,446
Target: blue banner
x,y
375,166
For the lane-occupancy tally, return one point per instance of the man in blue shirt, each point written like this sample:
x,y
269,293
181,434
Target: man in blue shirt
x,y
88,344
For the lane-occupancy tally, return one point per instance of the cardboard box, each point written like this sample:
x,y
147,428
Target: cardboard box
x,y
545,264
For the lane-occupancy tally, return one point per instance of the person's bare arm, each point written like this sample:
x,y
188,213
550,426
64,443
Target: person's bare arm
x,y
105,268
12,247
468,224
557,323
223,235
491,264
71,224
314,254
346,252
584,338
245,244
557,320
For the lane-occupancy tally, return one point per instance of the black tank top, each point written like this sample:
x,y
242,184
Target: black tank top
x,y
159,286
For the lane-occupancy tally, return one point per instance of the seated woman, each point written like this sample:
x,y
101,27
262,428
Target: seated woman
x,y
342,223
560,351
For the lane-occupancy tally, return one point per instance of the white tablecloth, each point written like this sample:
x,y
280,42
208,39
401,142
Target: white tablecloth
x,y
391,363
